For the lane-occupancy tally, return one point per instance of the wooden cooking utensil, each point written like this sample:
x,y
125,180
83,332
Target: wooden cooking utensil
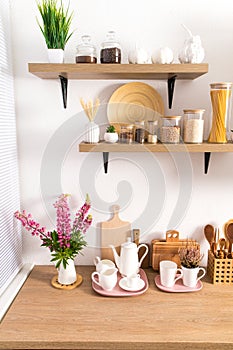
x,y
209,234
229,235
115,232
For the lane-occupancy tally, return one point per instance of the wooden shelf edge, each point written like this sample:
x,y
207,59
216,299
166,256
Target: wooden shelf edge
x,y
135,147
117,71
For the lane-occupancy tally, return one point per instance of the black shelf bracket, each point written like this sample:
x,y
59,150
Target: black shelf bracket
x,y
207,160
64,85
105,157
171,86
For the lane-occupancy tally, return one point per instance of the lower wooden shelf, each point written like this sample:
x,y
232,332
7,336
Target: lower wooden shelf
x,y
205,147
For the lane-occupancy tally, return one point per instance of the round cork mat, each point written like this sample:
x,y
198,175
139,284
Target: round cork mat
x,y
57,285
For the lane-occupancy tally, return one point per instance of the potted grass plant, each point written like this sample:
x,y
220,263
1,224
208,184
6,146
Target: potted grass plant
x,y
55,27
111,135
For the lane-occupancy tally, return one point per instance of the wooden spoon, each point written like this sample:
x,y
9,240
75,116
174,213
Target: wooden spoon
x,y
209,234
229,235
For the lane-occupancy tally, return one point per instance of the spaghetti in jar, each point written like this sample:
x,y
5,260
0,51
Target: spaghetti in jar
x,y
220,94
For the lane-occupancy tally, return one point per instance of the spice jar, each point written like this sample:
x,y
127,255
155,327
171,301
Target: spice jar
x,y
220,94
193,125
170,129
111,50
126,134
151,128
139,132
86,52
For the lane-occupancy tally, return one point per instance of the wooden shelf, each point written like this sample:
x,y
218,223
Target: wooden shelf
x,y
158,147
206,148
117,71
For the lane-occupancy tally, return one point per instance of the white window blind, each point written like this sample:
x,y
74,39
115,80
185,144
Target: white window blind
x,y
10,230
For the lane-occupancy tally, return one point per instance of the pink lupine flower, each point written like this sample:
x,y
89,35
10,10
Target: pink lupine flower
x,y
65,242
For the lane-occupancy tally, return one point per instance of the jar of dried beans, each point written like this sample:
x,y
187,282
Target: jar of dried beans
x,y
170,129
193,125
111,50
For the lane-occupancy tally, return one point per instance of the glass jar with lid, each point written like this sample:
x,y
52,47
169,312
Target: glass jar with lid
x,y
126,134
220,94
170,129
193,125
110,49
139,131
86,52
151,129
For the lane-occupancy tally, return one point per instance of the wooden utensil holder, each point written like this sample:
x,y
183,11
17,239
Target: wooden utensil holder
x,y
220,270
168,249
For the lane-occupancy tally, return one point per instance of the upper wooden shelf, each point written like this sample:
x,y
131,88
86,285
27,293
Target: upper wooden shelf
x,y
158,147
117,71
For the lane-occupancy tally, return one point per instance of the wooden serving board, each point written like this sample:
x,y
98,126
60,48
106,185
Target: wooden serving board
x,y
115,232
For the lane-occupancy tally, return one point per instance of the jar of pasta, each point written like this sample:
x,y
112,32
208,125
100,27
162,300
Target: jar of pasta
x,y
193,125
170,129
220,94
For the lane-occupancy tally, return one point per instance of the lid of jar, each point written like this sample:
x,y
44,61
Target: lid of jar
x,y
172,117
111,39
222,85
194,110
86,44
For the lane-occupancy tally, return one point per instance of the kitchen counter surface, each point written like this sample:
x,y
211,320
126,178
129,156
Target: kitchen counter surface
x,y
42,317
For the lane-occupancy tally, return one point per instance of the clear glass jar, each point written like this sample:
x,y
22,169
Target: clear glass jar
x,y
151,131
126,134
170,129
111,50
220,94
139,132
193,125
86,52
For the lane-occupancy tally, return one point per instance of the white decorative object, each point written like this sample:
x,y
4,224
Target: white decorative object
x,y
164,56
192,52
106,279
139,56
169,273
92,134
56,55
67,275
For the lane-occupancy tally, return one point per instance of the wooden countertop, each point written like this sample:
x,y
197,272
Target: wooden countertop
x,y
42,317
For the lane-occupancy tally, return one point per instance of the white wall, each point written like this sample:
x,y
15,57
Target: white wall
x,y
146,186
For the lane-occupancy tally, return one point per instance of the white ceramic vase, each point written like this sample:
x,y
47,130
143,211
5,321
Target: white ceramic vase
x,y
92,134
67,275
111,137
56,55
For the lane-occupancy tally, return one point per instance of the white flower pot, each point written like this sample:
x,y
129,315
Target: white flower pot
x,y
56,55
67,275
111,137
190,276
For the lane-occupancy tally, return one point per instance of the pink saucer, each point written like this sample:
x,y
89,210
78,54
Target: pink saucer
x,y
178,287
117,291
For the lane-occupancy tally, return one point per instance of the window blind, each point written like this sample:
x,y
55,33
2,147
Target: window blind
x,y
10,230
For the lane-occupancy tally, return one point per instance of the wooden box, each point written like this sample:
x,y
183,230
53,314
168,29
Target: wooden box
x,y
168,249
220,270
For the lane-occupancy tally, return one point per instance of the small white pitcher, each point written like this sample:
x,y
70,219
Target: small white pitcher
x,y
67,275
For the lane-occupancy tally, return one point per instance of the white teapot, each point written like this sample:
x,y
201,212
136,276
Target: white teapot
x,y
127,262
